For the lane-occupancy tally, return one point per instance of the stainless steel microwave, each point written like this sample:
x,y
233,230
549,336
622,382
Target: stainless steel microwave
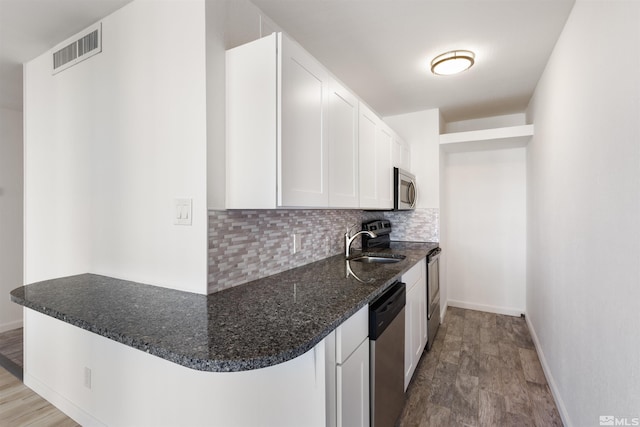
x,y
405,192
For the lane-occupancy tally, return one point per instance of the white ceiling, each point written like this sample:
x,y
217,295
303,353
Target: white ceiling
x,y
379,48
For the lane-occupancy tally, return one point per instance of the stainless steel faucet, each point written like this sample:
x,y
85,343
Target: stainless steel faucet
x,y
348,240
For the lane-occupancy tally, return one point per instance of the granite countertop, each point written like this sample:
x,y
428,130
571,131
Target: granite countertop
x,y
255,325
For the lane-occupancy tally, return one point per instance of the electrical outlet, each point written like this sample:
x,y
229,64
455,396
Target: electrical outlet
x,y
87,377
297,242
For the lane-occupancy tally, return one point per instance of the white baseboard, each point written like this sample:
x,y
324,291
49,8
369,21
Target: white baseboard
x,y
550,380
62,403
488,308
443,311
11,325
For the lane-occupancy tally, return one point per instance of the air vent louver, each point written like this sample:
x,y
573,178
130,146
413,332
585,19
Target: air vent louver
x,y
85,45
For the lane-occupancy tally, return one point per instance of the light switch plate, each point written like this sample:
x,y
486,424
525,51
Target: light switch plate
x,y
182,211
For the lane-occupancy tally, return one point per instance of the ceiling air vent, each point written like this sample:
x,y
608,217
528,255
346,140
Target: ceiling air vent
x,y
84,45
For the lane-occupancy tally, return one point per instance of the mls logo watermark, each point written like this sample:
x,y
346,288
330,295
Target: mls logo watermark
x,y
611,420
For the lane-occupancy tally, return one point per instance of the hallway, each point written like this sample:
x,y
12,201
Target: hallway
x,y
483,370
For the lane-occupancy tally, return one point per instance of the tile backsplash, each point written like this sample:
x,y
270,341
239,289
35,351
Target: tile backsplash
x,y
246,245
419,225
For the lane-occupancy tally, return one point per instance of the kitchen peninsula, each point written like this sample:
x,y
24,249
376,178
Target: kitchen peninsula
x,y
270,333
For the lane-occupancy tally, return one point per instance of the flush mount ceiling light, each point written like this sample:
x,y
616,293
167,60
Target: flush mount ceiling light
x,y
453,62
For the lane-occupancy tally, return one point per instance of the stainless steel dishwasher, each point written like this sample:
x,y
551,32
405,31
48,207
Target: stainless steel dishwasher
x,y
386,335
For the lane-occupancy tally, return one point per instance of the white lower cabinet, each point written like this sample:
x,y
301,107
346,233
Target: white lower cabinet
x,y
347,372
353,388
415,335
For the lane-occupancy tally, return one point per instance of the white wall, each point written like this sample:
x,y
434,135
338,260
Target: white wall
x,y
422,131
10,216
130,387
484,231
583,287
110,142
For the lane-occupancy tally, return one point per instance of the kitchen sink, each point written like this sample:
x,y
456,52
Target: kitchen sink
x,y
382,259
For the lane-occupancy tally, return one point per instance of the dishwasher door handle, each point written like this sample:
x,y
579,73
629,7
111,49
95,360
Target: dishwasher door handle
x,y
385,308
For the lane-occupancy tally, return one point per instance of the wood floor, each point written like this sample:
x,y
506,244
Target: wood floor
x,y
20,406
11,352
482,370
11,346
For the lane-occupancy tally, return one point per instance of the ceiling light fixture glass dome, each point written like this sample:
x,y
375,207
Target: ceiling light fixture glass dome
x,y
453,62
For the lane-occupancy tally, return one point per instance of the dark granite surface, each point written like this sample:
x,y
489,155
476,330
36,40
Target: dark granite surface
x,y
255,325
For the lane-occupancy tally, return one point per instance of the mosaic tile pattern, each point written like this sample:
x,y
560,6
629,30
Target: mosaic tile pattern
x,y
251,244
420,225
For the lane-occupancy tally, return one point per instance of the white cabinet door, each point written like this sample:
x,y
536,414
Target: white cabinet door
x,y
397,153
343,147
376,159
251,125
412,334
415,334
303,172
422,292
406,156
296,138
353,389
368,130
384,169
401,154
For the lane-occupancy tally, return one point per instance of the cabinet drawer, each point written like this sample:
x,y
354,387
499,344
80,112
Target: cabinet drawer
x,y
351,333
414,275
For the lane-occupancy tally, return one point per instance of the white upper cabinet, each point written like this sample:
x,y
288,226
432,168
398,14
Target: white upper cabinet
x,y
276,141
397,153
251,125
401,154
303,150
343,147
368,132
384,168
376,157
296,138
406,156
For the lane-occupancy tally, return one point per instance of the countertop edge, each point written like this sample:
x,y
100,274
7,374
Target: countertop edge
x,y
209,365
205,365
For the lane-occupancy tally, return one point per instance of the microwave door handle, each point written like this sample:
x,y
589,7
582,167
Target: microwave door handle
x,y
414,199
